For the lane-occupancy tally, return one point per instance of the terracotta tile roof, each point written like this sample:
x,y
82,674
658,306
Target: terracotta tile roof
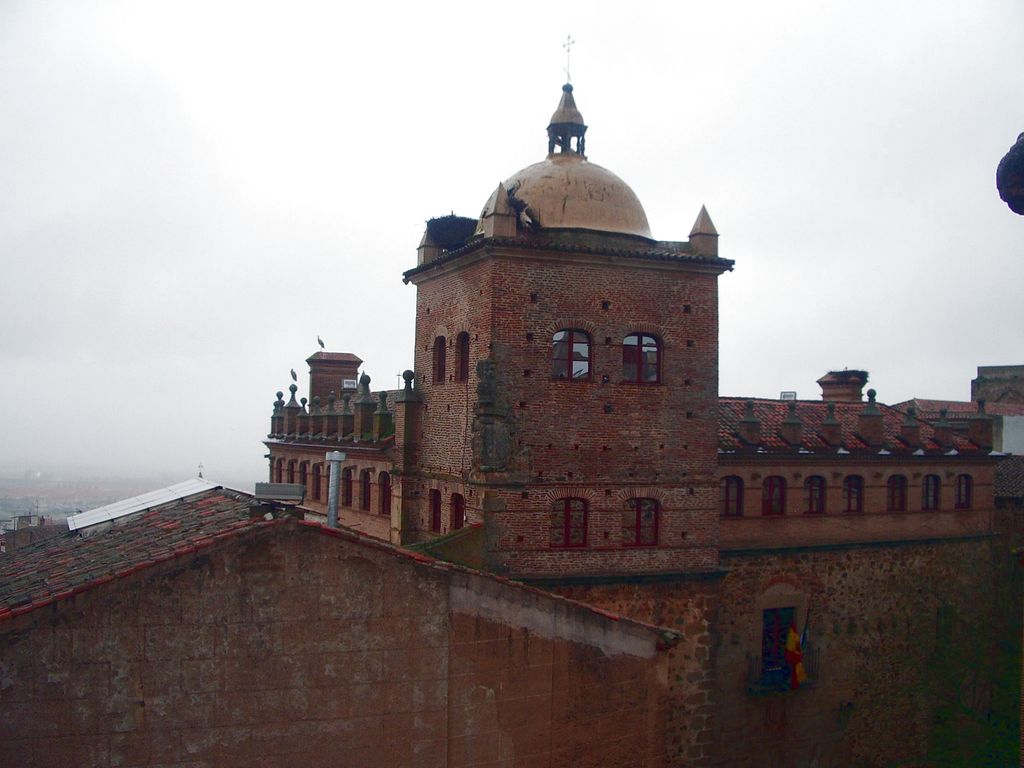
x,y
1009,482
812,413
74,561
929,409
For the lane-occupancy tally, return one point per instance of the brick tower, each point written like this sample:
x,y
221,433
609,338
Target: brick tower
x,y
568,368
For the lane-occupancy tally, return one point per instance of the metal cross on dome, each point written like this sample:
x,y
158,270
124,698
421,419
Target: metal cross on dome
x,y
568,44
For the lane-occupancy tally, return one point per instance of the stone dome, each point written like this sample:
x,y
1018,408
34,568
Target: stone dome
x,y
567,191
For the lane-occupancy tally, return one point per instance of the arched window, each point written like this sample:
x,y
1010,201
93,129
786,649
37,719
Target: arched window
x,y
462,357
364,490
570,355
317,473
291,471
640,523
279,471
304,473
773,495
896,493
814,495
964,491
732,496
853,494
458,512
346,486
641,359
440,350
930,492
384,489
435,510
569,523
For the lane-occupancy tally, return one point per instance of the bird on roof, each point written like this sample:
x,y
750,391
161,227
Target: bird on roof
x,y
320,342
295,376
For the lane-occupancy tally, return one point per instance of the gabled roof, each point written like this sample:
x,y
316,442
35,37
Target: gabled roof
x,y
812,413
63,565
48,571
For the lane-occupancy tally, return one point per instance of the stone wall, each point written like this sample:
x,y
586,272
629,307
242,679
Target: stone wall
x,y
289,646
913,655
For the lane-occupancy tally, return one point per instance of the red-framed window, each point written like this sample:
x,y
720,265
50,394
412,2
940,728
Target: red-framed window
x,y
732,496
931,492
569,523
896,493
853,494
364,490
384,491
435,510
640,523
462,357
279,471
291,471
440,350
814,495
317,477
773,495
346,486
570,355
964,491
641,359
457,511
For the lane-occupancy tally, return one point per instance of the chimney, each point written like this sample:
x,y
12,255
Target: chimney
x,y
979,428
831,430
869,423
910,429
750,425
408,411
331,418
329,371
843,386
365,406
303,419
792,429
334,459
943,433
347,419
383,424
291,411
277,420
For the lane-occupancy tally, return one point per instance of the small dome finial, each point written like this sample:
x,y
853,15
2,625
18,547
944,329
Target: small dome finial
x,y
567,124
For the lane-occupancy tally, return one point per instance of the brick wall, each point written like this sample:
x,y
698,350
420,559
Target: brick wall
x,y
289,647
603,439
913,655
876,523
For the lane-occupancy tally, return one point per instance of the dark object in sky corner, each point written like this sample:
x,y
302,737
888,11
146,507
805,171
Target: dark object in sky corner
x,y
1010,177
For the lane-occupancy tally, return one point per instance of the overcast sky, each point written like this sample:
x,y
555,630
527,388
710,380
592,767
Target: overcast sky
x,y
191,192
